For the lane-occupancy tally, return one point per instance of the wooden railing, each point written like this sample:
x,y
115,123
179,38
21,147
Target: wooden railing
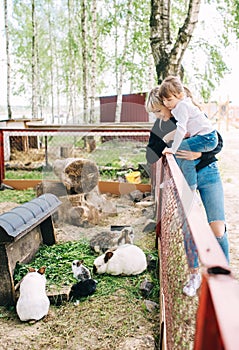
x,y
210,321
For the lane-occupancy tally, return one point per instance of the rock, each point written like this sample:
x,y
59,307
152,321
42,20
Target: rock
x,y
136,196
146,287
144,204
150,226
151,306
143,342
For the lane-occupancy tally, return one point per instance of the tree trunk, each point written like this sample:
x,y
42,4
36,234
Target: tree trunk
x,y
77,174
9,111
71,60
34,63
51,48
84,59
122,68
168,55
93,61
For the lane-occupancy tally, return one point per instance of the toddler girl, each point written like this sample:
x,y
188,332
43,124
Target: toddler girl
x,y
191,123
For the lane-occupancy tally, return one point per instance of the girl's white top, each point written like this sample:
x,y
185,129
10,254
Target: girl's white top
x,y
189,119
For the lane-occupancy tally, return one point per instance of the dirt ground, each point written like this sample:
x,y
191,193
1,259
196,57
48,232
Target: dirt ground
x,y
69,320
229,166
70,326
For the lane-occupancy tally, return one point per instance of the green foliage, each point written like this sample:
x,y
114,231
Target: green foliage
x,y
16,196
60,46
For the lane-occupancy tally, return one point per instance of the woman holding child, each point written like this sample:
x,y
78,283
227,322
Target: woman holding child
x,y
208,180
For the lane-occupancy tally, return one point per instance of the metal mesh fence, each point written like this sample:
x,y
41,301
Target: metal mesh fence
x,y
174,233
37,150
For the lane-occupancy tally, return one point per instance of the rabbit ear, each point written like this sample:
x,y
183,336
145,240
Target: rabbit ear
x,y
108,256
81,262
42,270
31,269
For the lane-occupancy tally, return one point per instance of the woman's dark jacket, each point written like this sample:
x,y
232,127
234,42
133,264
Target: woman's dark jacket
x,y
156,144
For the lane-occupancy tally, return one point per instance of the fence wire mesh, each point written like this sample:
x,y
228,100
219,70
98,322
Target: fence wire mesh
x,y
28,150
174,234
72,161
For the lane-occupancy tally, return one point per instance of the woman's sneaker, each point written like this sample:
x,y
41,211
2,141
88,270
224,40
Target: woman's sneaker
x,y
194,282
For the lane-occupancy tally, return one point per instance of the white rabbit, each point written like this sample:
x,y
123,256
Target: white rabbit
x,y
127,259
33,303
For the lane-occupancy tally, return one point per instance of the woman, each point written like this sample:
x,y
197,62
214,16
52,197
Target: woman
x,y
209,184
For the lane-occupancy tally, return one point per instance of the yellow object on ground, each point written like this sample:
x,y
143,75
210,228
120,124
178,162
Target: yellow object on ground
x,y
133,177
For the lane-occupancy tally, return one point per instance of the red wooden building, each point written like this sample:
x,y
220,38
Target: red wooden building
x,y
132,111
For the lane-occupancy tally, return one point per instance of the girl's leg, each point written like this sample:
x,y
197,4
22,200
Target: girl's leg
x,y
201,143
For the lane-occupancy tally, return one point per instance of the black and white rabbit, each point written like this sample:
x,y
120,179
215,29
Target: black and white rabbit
x,y
80,271
85,285
106,240
33,303
127,259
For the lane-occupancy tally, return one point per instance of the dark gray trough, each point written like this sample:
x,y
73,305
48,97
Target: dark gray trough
x,y
22,231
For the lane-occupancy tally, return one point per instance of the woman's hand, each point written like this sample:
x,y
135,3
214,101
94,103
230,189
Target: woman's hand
x,y
188,155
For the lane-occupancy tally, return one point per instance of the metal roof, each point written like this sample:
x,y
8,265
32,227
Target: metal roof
x,y
25,217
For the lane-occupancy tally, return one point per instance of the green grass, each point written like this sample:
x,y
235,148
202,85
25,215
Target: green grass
x,y
24,175
119,154
16,196
58,259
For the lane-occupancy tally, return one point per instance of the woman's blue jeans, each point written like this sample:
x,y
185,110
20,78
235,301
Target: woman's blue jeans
x,y
210,187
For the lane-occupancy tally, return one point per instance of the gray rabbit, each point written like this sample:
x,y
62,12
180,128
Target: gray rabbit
x,y
106,240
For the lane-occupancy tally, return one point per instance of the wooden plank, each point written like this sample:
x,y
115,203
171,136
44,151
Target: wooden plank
x,y
122,187
7,291
113,187
21,184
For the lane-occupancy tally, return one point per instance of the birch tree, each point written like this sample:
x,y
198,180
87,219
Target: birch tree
x,y
9,111
168,53
122,60
71,56
34,62
84,59
51,48
93,61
